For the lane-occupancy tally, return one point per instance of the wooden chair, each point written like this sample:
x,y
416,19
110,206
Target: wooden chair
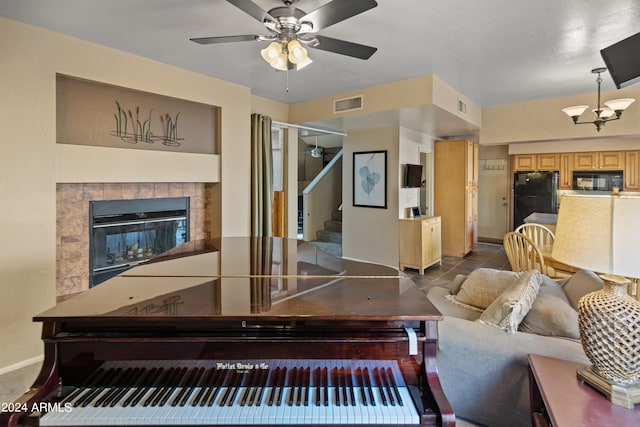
x,y
522,252
541,236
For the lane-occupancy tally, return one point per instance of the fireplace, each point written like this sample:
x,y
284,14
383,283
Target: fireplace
x,y
124,233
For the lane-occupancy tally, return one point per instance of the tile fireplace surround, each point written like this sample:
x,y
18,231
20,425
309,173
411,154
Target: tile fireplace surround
x,y
72,221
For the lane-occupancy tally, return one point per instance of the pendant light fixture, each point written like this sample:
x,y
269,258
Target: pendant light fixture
x,y
316,152
285,54
612,111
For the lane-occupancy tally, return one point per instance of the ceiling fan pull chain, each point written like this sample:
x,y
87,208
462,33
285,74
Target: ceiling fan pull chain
x,y
287,80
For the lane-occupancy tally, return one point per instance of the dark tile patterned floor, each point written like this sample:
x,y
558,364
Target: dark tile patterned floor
x,y
487,255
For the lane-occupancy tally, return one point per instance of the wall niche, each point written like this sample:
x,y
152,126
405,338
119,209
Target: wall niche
x,y
99,114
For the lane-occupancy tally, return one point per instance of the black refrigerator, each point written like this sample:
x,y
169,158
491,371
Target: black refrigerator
x,y
534,192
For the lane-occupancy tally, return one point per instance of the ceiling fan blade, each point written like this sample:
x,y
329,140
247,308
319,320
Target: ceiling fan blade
x,y
252,9
336,11
344,47
225,39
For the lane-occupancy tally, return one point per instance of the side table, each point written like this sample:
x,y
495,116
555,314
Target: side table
x,y
558,399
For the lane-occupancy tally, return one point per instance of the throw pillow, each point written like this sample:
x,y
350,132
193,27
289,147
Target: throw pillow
x,y
551,314
580,284
456,283
484,285
508,310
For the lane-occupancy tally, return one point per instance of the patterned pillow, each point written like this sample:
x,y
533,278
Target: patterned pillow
x,y
507,311
484,285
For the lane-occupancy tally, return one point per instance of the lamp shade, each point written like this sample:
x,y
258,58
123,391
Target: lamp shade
x,y
575,111
599,233
619,104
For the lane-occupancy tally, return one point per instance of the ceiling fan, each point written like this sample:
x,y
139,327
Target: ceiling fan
x,y
291,29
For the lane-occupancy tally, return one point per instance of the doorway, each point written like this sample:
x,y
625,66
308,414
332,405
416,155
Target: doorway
x,y
493,206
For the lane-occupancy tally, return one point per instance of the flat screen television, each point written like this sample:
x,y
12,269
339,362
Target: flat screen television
x,y
623,61
412,176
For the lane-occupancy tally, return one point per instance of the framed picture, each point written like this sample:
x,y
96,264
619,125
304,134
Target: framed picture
x,y
416,211
370,179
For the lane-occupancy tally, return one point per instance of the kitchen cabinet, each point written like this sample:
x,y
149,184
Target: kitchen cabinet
x,y
524,162
456,195
632,171
565,179
605,160
420,243
547,162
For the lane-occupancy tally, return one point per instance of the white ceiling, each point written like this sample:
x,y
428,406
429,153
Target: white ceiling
x,y
492,51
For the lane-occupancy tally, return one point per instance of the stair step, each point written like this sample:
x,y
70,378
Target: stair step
x,y
332,225
330,248
336,215
329,236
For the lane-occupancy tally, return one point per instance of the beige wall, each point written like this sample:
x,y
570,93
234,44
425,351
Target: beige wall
x,y
371,233
31,161
543,120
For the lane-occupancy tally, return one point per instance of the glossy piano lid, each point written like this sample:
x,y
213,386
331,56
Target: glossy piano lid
x,y
247,278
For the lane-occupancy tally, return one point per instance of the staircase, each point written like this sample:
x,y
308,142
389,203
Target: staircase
x,y
329,239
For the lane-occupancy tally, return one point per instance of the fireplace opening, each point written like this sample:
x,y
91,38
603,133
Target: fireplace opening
x,y
124,233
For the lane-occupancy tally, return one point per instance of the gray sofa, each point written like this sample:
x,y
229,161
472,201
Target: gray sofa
x,y
483,369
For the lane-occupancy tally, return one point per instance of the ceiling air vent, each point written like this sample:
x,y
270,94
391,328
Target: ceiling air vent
x,y
347,104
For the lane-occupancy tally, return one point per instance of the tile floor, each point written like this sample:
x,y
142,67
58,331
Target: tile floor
x,y
15,383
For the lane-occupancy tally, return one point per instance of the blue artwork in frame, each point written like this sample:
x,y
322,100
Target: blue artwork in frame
x,y
370,179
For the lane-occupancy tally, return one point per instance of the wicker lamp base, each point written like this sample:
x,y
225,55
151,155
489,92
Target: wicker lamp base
x,y
609,322
621,395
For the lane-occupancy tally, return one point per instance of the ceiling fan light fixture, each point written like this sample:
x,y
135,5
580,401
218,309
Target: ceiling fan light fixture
x,y
271,52
301,64
614,109
297,53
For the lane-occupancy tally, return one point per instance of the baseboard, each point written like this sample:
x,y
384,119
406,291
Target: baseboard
x,y
22,364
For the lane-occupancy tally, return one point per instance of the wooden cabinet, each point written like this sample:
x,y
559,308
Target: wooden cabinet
x,y
547,162
565,180
456,196
536,162
632,171
524,162
607,160
472,163
420,243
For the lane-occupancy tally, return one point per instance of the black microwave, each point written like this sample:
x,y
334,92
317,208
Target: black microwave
x,y
597,180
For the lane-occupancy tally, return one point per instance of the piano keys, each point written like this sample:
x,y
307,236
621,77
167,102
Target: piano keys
x,y
239,392
241,331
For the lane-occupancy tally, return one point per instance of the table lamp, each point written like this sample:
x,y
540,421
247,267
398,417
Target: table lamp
x,y
602,234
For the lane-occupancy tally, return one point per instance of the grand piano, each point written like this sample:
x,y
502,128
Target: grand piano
x,y
240,331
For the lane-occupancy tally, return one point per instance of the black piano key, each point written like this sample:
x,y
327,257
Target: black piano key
x,y
305,386
293,378
335,382
272,384
317,376
383,397
325,388
352,396
394,386
367,381
343,387
281,385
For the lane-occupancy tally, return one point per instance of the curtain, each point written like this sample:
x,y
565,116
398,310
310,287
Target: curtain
x,y
261,176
